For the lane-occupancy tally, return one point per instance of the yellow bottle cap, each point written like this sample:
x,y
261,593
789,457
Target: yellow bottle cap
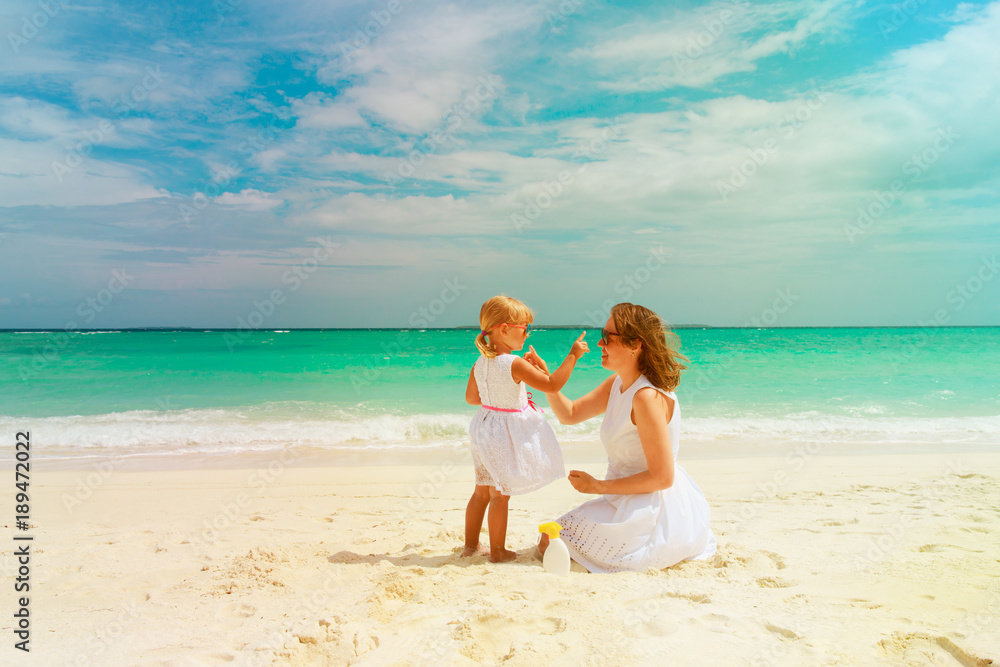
x,y
551,529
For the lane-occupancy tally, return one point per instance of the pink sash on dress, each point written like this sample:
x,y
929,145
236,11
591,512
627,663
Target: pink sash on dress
x,y
531,404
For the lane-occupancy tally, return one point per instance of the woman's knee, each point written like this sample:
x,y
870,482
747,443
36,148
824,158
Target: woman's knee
x,y
496,495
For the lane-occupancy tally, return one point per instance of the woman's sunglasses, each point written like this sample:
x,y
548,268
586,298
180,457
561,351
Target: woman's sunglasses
x,y
606,336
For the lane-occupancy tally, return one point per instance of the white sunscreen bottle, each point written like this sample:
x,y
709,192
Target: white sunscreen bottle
x,y
556,558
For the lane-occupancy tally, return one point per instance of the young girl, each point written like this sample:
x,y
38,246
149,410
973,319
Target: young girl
x,y
513,448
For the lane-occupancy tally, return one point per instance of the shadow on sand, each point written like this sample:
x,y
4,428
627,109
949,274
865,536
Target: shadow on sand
x,y
524,557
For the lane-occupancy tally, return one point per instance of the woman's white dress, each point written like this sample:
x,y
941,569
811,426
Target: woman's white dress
x,y
638,531
515,450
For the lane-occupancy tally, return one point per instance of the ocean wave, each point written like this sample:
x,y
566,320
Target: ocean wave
x,y
216,431
811,426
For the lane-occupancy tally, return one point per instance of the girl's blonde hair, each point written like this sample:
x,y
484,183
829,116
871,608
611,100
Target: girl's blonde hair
x,y
496,311
659,359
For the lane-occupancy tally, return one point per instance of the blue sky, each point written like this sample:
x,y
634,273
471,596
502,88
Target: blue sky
x,y
395,163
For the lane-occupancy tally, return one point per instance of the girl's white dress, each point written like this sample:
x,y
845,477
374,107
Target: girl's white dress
x,y
638,531
516,450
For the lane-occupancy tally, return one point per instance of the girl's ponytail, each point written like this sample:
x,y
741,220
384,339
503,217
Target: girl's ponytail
x,y
485,348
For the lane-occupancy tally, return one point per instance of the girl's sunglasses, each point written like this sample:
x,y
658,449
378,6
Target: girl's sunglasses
x,y
526,327
606,336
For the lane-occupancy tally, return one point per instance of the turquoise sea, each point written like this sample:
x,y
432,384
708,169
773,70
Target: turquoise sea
x,y
177,392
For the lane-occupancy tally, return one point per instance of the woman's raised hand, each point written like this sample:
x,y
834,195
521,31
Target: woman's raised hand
x,y
584,482
580,346
532,358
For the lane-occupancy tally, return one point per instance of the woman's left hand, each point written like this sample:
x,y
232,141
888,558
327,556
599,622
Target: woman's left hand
x,y
585,482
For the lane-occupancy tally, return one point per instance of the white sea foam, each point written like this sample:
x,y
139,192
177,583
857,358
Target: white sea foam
x,y
212,431
222,431
811,426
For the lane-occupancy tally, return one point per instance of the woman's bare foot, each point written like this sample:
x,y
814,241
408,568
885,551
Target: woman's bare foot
x,y
502,555
543,544
477,550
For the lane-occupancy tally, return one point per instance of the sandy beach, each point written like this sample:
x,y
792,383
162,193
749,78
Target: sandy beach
x,y
848,560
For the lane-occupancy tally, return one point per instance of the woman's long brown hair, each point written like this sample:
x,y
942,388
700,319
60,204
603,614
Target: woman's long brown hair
x,y
659,359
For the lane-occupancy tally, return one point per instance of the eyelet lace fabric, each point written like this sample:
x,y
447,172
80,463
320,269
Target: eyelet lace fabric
x,y
514,452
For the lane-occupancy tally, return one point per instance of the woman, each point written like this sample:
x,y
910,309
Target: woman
x,y
651,513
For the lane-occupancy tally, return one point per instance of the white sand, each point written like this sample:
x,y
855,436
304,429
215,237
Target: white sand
x,y
855,560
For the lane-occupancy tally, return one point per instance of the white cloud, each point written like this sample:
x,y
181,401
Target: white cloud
x,y
250,198
958,72
698,47
412,74
35,119
660,176
41,174
655,184
317,110
269,159
964,12
414,215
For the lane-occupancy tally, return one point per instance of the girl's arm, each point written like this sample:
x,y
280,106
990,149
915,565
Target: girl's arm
x,y
652,412
472,390
524,371
583,408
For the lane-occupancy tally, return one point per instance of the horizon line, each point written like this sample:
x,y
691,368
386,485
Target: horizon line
x,y
472,328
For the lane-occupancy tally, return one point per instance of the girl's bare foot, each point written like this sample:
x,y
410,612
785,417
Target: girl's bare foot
x,y
502,555
474,551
